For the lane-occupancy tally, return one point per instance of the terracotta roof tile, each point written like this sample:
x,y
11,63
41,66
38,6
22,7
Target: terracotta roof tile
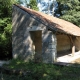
x,y
59,24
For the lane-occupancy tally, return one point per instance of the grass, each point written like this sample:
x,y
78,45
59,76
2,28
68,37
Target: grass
x,y
40,71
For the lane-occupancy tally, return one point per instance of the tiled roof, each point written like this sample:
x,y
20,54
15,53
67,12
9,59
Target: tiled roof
x,y
54,23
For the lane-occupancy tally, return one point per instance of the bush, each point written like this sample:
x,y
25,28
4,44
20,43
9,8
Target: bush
x,y
5,38
41,71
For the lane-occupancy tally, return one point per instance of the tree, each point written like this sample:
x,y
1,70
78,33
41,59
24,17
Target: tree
x,y
6,7
5,28
70,10
33,4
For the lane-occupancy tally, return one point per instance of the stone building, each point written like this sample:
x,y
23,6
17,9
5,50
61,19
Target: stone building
x,y
40,37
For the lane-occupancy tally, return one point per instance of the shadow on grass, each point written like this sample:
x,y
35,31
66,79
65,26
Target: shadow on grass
x,y
40,71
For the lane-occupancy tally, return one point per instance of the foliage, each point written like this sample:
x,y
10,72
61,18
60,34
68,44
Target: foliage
x,y
41,71
33,4
6,8
70,11
5,37
5,28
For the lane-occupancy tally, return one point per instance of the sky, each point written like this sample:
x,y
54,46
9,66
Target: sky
x,y
45,6
23,2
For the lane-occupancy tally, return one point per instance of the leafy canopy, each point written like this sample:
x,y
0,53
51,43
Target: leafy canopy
x,y
70,10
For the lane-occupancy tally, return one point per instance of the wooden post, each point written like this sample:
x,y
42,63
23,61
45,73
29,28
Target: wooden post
x,y
73,45
73,50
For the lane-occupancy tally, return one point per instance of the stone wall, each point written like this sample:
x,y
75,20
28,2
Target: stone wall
x,y
22,43
63,42
23,23
49,47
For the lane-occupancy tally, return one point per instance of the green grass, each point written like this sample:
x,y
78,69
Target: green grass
x,y
40,71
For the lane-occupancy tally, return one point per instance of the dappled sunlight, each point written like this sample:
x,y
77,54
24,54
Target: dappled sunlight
x,y
42,71
69,58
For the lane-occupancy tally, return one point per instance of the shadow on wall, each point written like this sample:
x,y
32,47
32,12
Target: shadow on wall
x,y
20,35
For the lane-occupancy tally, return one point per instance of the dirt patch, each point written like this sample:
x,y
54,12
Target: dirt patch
x,y
77,61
